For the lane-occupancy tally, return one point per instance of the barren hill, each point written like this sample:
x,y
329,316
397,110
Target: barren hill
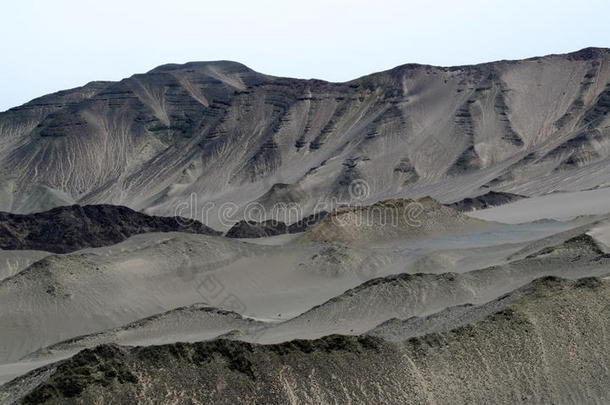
x,y
227,133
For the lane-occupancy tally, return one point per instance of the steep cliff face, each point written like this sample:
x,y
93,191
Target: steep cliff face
x,y
227,133
522,352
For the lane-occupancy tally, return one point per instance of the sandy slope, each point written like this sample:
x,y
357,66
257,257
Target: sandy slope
x,y
551,338
288,279
13,261
63,296
406,295
561,206
194,323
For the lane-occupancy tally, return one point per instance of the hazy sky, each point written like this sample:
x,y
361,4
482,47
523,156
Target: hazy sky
x,y
51,45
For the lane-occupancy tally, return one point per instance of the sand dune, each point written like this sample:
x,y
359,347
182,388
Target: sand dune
x,y
121,293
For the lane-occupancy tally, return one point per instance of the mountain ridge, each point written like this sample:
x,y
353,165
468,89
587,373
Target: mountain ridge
x,y
584,53
71,228
224,132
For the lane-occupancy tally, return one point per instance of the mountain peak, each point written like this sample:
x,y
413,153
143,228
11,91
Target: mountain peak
x,y
588,53
225,65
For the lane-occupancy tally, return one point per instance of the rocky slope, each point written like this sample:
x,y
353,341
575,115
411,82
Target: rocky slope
x,y
450,318
487,200
273,227
391,220
308,222
253,229
226,133
538,362
67,229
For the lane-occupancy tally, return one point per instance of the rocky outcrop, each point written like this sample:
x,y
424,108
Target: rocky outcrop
x,y
253,229
487,200
272,227
67,229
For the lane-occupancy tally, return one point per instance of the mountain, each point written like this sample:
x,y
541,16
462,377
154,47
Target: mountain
x,y
525,352
67,229
222,132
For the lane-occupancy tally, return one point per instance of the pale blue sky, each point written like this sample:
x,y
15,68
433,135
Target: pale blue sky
x,y
52,45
